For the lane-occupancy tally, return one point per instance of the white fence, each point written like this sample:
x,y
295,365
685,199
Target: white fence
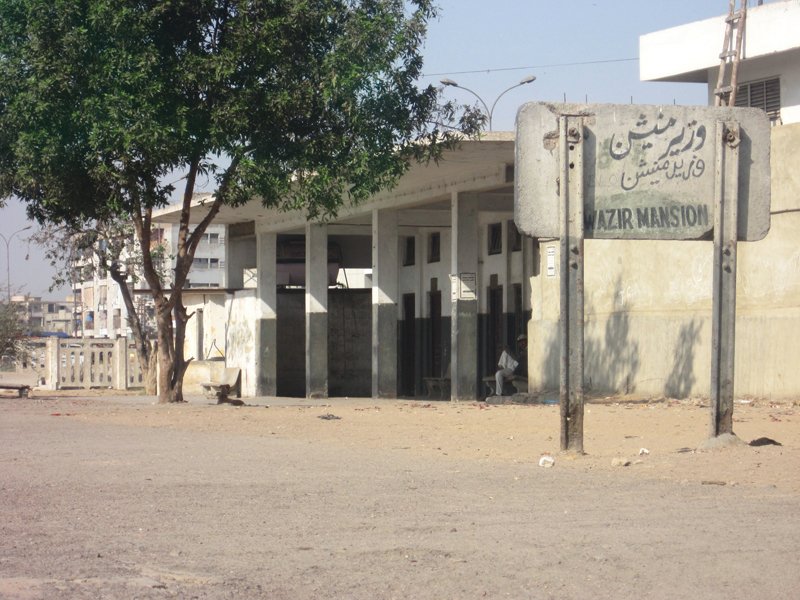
x,y
92,363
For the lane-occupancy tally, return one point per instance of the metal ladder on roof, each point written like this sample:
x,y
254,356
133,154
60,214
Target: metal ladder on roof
x,y
729,58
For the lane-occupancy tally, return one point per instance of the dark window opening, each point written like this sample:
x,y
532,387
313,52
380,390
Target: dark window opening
x,y
495,238
434,247
514,237
409,255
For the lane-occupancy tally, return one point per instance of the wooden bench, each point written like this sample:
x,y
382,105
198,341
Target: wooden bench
x,y
230,383
21,389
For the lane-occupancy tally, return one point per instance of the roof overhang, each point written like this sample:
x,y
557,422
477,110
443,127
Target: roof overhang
x,y
688,52
484,165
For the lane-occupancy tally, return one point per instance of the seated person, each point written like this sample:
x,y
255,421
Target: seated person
x,y
511,365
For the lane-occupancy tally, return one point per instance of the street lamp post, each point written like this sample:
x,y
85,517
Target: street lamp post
x,y
489,111
8,257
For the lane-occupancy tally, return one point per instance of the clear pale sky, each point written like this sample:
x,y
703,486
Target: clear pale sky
x,y
487,46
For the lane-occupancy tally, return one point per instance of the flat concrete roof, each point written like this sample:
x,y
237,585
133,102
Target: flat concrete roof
x,y
476,165
687,52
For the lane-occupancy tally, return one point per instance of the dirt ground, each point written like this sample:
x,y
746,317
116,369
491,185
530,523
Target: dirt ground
x,y
119,497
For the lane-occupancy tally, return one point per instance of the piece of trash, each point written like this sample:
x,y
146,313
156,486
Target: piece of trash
x,y
764,441
620,462
713,482
684,450
329,417
547,461
643,451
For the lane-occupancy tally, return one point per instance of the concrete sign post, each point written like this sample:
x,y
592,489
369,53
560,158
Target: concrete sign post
x,y
723,313
571,231
633,172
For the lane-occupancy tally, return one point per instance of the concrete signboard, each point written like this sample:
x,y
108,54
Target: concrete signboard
x,y
649,171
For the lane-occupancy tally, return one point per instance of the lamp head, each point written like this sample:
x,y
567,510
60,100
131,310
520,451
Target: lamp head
x,y
528,79
449,82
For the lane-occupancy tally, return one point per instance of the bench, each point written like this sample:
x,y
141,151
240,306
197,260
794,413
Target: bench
x,y
438,387
230,383
21,389
517,382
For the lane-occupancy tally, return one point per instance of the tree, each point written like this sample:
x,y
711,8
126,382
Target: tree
x,y
78,254
305,104
13,343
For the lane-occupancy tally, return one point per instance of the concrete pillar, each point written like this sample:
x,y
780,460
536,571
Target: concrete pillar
x,y
384,303
464,298
267,319
120,365
316,310
53,362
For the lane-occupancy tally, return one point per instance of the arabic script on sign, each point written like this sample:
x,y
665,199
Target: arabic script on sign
x,y
662,152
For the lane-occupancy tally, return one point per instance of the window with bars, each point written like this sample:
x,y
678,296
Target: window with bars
x,y
765,94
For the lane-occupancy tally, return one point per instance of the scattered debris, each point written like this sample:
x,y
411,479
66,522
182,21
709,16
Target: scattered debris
x,y
684,450
329,417
764,441
643,451
620,462
713,482
547,461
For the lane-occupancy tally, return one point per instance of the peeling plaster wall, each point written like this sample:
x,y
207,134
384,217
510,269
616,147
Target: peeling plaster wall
x,y
241,337
648,307
214,322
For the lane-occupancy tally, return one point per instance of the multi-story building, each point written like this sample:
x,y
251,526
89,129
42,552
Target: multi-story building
x,y
102,311
38,315
769,67
452,282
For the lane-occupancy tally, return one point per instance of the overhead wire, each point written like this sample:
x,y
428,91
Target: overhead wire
x,y
547,66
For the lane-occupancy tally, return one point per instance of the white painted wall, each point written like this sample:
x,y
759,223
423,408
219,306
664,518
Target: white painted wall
x,y
690,52
240,347
671,54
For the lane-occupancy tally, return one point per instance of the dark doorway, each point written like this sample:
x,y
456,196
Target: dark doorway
x,y
517,314
435,311
494,335
408,343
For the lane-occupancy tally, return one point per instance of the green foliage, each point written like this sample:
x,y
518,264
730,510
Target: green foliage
x,y
12,335
303,103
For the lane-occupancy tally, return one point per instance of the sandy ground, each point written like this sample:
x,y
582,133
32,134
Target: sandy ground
x,y
118,497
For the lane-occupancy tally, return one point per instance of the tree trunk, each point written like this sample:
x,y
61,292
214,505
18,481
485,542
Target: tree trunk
x,y
171,360
181,364
166,356
150,377
143,350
